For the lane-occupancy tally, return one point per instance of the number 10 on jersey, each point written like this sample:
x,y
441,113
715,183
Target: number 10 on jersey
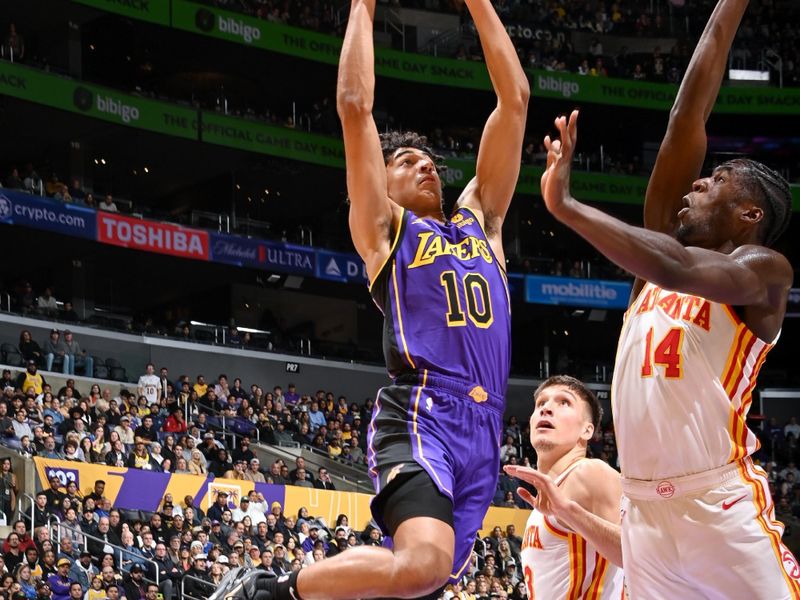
x,y
475,291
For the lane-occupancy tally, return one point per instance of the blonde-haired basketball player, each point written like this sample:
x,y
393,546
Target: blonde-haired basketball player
x,y
571,547
709,301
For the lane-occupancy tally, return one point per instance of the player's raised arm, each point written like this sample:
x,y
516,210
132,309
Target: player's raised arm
x,y
371,211
683,150
500,152
743,274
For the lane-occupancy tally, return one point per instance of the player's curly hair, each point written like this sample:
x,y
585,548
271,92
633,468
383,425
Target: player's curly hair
x,y
393,140
577,386
770,190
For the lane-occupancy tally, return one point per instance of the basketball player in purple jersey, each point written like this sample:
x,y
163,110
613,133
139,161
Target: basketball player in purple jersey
x,y
434,435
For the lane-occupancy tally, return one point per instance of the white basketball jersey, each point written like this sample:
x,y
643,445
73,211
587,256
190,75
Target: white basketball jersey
x,y
558,564
683,383
150,385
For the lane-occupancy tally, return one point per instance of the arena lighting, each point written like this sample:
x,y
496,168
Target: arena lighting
x,y
251,330
146,170
748,75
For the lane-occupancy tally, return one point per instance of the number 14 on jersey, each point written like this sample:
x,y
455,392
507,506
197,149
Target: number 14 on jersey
x,y
666,353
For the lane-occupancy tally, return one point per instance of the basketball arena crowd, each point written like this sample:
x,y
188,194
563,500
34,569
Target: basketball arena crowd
x,y
75,544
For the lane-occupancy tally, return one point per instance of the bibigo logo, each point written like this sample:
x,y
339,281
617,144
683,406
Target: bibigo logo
x,y
565,87
85,99
204,21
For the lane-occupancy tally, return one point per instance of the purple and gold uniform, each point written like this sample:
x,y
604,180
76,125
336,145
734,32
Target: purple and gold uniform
x,y
447,344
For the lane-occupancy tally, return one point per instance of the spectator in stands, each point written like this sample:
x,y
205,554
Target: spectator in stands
x,y
107,204
149,385
126,434
77,357
30,349
300,463
140,458
316,417
68,313
46,303
253,473
146,433
237,472
243,452
198,583
41,512
83,571
196,465
135,585
14,554
324,482
116,457
106,539
220,505
55,349
175,423
60,582
220,464
21,425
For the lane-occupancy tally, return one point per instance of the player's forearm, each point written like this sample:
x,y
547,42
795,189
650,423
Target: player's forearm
x,y
602,534
649,255
703,78
509,80
355,89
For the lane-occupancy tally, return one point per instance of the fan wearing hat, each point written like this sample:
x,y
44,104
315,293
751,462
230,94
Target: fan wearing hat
x,y
237,472
82,570
136,586
198,571
59,581
215,511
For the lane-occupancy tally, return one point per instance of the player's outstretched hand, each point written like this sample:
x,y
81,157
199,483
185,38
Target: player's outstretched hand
x,y
550,500
555,179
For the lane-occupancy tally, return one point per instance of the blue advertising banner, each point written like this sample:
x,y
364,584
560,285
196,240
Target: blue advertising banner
x,y
339,266
288,258
588,293
19,208
236,250
263,254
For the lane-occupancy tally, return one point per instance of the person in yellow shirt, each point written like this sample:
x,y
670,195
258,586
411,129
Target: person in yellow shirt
x,y
201,387
31,378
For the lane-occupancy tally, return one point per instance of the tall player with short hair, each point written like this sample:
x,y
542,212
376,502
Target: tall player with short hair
x,y
708,304
571,547
441,285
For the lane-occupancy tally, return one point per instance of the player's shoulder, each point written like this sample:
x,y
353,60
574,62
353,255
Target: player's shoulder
x,y
758,257
592,478
594,469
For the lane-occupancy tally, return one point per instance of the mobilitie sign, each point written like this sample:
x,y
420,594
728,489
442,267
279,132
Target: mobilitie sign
x,y
586,293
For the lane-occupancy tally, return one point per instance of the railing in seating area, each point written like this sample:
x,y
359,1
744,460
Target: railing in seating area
x,y
118,550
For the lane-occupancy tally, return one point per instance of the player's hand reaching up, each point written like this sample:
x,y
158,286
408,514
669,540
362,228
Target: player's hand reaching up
x,y
550,499
555,180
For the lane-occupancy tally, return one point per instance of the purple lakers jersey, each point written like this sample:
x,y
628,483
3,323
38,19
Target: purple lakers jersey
x,y
445,302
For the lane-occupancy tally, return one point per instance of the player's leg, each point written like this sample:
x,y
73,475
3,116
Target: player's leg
x,y
649,552
735,550
420,518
